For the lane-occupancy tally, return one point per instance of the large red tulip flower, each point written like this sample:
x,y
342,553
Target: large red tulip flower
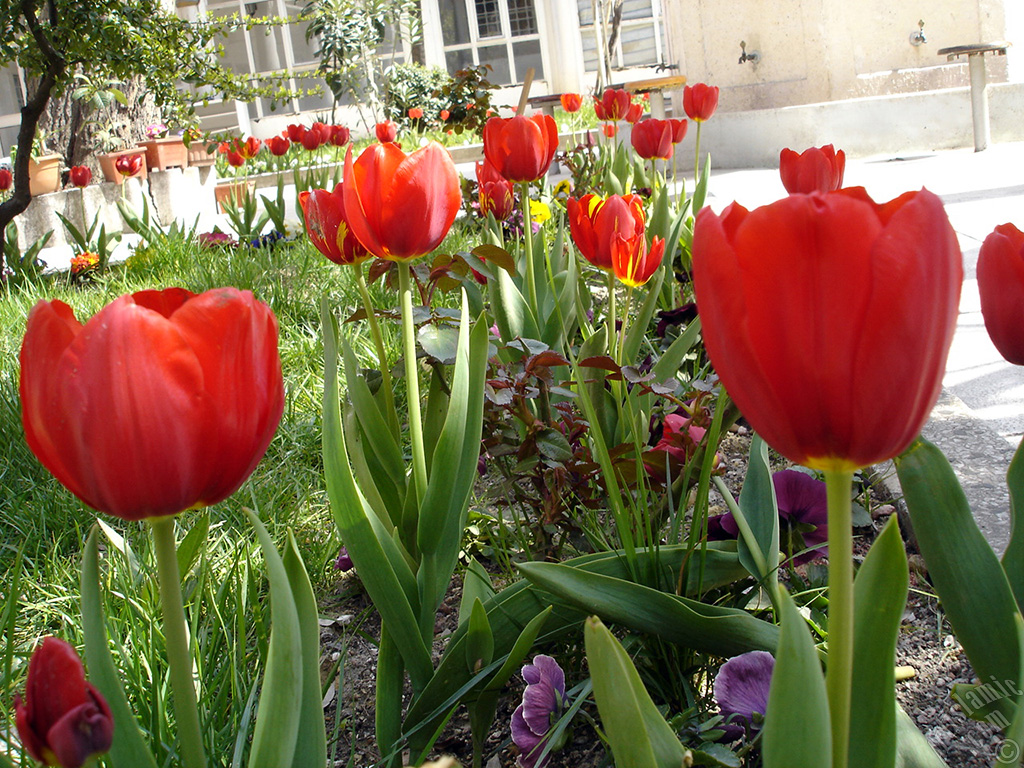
x,y
328,228
129,165
653,138
401,206
63,719
818,169
571,102
700,101
521,148
829,318
1001,284
163,401
278,145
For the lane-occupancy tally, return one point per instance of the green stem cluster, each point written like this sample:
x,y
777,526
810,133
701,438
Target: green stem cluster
x,y
412,382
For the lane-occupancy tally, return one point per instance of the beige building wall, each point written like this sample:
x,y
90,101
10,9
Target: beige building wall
x,y
811,51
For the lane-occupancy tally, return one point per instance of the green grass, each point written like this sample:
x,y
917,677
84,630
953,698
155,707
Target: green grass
x,y
44,526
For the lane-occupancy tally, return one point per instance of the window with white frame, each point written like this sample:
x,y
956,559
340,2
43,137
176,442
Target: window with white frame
x,y
641,41
503,34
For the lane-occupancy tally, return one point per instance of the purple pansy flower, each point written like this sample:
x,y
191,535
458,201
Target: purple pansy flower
x,y
803,516
741,690
543,703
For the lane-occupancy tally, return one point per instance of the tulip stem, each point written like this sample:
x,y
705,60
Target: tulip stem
x,y
382,356
696,157
839,673
412,382
611,314
531,277
179,658
621,359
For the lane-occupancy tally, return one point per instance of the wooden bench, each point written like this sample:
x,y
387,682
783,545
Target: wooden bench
x,y
656,86
545,103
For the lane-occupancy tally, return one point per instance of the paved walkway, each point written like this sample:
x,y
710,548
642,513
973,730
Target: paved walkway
x,y
979,419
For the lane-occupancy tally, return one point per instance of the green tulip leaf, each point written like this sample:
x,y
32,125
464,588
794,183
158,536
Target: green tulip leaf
x,y
476,584
1013,557
689,623
280,709
193,544
639,323
637,732
964,570
479,639
311,744
129,748
913,750
880,595
761,513
797,732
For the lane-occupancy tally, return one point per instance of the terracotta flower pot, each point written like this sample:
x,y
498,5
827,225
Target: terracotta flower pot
x,y
233,193
44,174
198,156
169,152
110,172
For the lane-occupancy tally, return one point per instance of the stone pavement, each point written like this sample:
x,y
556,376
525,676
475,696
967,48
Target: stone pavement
x,y
979,419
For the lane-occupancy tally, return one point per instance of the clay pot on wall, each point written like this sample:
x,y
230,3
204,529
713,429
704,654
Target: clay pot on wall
x,y
110,172
44,174
197,154
169,152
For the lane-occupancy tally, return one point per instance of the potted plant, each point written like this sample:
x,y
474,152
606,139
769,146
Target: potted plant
x,y
112,146
43,167
164,151
200,150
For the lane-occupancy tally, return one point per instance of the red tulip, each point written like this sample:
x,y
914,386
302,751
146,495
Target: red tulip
x,y
415,113
444,114
829,317
64,720
162,402
652,138
521,148
678,130
235,159
129,165
610,130
250,147
634,113
571,102
80,175
340,135
328,228
610,235
386,131
6,179
401,206
613,105
813,170
495,192
296,132
1001,284
278,145
700,101
312,140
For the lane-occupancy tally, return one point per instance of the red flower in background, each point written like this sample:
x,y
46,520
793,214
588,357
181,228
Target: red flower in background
x,y
6,179
679,127
571,102
328,228
444,114
652,138
634,113
613,105
80,176
813,170
235,159
809,322
63,719
340,135
249,148
162,402
495,192
401,206
415,113
312,140
521,148
296,132
700,101
386,131
1001,284
278,145
129,165
610,130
